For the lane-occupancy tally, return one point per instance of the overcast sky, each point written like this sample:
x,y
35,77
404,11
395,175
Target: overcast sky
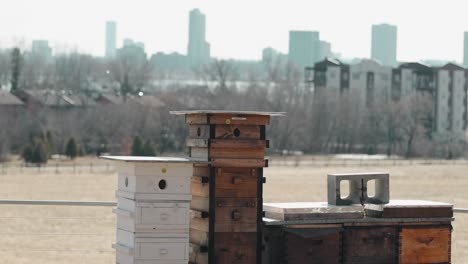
x,y
427,29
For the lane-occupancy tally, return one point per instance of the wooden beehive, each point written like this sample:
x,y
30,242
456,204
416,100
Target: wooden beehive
x,y
299,235
227,194
153,210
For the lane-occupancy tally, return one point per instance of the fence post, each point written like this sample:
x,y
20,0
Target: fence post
x,y
74,167
90,167
56,168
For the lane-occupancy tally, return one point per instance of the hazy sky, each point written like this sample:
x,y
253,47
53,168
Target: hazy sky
x,y
427,29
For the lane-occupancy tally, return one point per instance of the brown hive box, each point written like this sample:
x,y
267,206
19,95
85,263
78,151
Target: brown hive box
x,y
227,194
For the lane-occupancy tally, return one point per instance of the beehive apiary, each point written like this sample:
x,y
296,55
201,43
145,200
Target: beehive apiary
x,y
153,210
358,228
227,199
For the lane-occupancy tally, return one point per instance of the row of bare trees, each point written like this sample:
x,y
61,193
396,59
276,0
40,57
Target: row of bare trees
x,y
316,122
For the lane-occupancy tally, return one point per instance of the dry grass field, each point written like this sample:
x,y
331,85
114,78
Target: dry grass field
x,y
58,234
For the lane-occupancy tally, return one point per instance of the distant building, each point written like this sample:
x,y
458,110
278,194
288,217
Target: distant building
x,y
451,106
465,49
372,79
303,48
447,86
169,62
272,55
384,44
111,39
133,51
10,106
198,51
41,48
54,99
324,50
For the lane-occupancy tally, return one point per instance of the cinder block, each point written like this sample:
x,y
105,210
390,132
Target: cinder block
x,y
358,191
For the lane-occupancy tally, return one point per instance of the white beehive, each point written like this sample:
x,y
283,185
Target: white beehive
x,y
153,210
143,248
145,178
169,218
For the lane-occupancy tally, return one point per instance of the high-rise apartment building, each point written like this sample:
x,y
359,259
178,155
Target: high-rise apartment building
x,y
111,39
198,51
41,48
384,44
304,47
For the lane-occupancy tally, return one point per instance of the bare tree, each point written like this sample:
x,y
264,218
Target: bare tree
x,y
415,109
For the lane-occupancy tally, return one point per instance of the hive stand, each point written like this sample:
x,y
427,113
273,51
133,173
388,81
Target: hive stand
x,y
153,210
227,194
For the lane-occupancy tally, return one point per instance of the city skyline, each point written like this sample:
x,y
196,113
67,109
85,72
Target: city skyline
x,y
418,39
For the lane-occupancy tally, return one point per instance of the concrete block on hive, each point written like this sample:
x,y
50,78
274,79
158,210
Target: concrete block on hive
x,y
358,188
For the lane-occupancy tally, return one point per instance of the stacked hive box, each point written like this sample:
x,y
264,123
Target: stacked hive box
x,y
227,194
153,213
382,231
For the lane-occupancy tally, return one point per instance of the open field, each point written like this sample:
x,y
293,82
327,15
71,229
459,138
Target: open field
x,y
58,234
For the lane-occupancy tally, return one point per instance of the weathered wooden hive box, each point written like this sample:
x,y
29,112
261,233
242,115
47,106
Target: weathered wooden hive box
x,y
153,210
227,194
399,231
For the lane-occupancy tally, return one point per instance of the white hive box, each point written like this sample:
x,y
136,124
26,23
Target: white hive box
x,y
153,178
136,248
168,218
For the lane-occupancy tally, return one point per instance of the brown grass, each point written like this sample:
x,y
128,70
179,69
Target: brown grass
x,y
58,234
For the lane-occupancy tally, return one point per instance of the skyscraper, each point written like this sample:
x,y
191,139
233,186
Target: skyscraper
x,y
465,49
198,51
111,39
384,44
303,48
41,48
324,50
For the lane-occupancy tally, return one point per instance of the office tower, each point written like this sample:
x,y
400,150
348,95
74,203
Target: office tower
x,y
41,48
198,51
384,44
324,50
465,49
111,39
303,48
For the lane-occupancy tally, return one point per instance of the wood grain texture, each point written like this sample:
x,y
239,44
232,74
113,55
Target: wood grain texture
x,y
239,119
237,153
238,143
200,203
242,132
425,245
320,249
236,163
236,182
200,224
239,248
370,245
201,143
236,215
199,132
196,119
199,153
201,170
198,237
199,188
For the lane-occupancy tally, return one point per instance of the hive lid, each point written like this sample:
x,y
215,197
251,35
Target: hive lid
x,y
311,210
408,204
189,112
152,159
409,208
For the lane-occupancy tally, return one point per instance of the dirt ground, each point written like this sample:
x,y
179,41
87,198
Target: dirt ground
x,y
59,234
